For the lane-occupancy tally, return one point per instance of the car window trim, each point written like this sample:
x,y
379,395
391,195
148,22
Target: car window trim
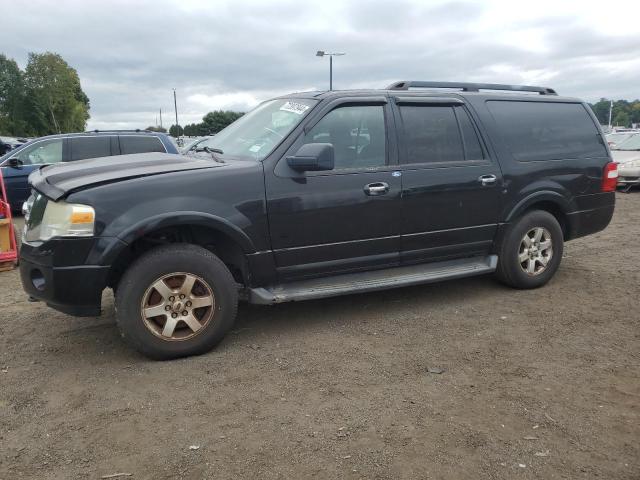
x,y
439,101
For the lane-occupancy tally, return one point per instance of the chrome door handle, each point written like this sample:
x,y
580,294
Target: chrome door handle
x,y
486,180
377,188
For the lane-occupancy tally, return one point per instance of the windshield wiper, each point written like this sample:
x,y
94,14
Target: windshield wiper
x,y
213,151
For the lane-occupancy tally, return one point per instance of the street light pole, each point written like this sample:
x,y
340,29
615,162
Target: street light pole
x,y
321,53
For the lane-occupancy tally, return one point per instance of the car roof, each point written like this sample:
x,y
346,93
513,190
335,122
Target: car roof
x,y
93,133
512,92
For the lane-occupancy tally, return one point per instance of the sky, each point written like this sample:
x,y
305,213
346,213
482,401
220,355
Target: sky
x,y
235,54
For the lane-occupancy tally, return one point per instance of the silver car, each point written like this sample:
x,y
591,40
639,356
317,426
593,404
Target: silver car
x,y
627,156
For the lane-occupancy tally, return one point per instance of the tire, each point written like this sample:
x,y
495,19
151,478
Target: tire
x,y
517,274
185,270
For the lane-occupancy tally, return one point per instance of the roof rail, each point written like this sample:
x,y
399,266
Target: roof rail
x,y
470,87
137,130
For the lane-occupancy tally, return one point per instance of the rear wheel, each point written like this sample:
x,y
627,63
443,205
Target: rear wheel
x,y
531,251
176,300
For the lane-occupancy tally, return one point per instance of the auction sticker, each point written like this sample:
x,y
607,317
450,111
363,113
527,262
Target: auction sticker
x,y
294,107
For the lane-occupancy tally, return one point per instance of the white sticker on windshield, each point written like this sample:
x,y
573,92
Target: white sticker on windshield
x,y
294,107
255,148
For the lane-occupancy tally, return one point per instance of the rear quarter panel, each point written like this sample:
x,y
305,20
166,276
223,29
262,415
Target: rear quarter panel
x,y
572,183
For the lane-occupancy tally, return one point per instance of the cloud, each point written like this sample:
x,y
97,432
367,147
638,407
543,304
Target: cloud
x,y
232,55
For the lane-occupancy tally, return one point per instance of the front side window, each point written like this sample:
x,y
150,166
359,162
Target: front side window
x,y
90,147
357,134
41,153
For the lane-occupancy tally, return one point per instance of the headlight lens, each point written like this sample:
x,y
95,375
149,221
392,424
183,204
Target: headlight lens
x,y
61,219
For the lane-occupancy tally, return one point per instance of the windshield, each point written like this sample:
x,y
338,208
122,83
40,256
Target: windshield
x,y
632,143
256,134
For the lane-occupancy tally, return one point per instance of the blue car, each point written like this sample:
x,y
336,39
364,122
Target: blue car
x,y
17,164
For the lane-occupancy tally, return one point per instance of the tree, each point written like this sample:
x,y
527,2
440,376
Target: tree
x,y
215,121
601,110
157,129
12,97
56,101
176,131
622,119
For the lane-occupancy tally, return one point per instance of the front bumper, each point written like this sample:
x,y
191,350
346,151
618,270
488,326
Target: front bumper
x,y
74,290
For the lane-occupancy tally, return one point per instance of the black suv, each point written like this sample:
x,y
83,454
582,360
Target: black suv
x,y
319,194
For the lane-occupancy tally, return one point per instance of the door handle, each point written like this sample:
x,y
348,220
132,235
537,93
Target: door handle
x,y
377,188
487,180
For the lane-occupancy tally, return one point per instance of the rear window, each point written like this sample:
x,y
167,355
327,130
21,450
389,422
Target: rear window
x,y
140,144
546,131
90,147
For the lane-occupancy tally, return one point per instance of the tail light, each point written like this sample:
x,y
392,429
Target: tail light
x,y
610,177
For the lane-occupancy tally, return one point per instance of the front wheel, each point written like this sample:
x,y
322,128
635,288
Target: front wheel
x,y
531,251
175,301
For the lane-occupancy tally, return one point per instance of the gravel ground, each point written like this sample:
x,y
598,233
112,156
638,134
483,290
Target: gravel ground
x,y
536,384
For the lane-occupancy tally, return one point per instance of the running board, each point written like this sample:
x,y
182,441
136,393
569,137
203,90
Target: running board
x,y
373,280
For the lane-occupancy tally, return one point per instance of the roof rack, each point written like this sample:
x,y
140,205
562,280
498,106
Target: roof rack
x,y
470,87
137,130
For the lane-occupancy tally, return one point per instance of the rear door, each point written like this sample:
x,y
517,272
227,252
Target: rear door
x,y
450,185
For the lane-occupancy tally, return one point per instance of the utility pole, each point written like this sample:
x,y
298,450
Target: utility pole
x,y
610,112
160,118
175,105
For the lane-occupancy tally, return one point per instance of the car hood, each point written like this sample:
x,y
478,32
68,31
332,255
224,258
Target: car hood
x,y
624,156
56,181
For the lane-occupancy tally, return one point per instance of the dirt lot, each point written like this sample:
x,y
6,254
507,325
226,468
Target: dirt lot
x,y
537,384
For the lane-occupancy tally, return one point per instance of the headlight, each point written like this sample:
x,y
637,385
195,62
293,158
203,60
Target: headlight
x,y
61,219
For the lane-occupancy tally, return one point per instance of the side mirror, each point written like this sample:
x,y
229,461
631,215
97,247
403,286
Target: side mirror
x,y
15,162
313,157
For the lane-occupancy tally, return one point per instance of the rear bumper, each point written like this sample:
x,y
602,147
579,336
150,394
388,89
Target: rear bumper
x,y
586,222
74,290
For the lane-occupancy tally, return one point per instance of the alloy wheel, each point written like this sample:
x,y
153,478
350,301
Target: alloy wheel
x,y
177,306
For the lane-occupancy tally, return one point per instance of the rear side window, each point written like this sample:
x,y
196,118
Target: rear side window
x,y
90,147
546,130
472,148
431,134
140,144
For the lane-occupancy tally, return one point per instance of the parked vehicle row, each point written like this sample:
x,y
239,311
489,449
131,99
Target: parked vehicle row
x,y
18,163
319,194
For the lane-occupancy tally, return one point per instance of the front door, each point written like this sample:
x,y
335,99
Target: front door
x,y
344,219
450,185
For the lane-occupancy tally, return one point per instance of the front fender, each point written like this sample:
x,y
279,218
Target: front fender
x,y
187,218
107,249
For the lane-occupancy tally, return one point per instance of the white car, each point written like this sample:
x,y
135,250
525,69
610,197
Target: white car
x,y
627,156
616,138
